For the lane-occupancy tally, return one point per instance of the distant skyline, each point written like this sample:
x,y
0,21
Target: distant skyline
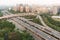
x,y
29,2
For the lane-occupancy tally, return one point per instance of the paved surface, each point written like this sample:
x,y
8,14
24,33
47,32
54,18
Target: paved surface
x,y
18,26
15,15
53,32
56,17
22,28
42,34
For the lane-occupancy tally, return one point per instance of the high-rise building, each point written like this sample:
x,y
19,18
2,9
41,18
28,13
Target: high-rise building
x,y
21,8
27,8
40,9
53,10
36,9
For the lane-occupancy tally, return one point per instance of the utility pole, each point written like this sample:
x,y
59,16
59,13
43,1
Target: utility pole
x,y
6,36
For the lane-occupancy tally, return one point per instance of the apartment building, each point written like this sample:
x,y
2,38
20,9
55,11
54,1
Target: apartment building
x,y
27,8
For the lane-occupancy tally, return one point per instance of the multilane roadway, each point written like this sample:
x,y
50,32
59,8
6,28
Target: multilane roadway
x,y
44,35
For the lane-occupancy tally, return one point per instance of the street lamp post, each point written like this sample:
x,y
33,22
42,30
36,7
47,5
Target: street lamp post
x,y
6,36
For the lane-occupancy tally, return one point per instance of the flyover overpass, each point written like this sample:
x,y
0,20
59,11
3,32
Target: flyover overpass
x,y
28,26
56,17
16,15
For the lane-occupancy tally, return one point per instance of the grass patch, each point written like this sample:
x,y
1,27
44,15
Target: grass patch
x,y
7,32
50,22
35,20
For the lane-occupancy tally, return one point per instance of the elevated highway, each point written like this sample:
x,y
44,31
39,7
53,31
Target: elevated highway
x,y
32,28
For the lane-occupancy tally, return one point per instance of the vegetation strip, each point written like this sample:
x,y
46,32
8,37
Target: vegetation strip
x,y
50,22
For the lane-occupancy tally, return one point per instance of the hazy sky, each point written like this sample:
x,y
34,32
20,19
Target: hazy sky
x,y
39,2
